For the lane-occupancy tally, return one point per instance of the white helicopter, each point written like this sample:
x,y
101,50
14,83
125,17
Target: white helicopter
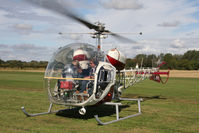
x,y
81,75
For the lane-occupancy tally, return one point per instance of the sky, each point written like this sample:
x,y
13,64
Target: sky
x,y
29,32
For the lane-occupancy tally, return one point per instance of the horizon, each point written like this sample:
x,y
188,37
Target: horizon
x,y
126,57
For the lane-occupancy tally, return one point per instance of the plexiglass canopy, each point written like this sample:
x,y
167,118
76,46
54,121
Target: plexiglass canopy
x,y
69,73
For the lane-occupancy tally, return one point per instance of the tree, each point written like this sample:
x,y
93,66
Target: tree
x,y
1,62
191,55
150,60
184,65
141,59
130,63
170,60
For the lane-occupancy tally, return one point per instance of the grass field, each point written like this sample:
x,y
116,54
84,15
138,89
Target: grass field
x,y
169,108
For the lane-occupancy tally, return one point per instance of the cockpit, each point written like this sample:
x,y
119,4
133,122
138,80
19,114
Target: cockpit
x,y
76,73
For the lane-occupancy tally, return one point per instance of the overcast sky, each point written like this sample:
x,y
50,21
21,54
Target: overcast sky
x,y
29,32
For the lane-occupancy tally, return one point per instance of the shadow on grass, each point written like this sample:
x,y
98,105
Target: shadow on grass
x,y
145,98
100,110
152,97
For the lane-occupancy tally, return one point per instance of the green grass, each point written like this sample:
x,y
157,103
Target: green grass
x,y
169,108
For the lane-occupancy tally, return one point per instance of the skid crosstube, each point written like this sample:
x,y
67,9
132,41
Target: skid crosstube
x,y
117,111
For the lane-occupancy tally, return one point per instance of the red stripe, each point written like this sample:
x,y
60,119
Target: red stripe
x,y
117,64
156,73
80,57
162,73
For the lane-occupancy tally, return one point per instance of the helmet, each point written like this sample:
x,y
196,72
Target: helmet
x,y
80,55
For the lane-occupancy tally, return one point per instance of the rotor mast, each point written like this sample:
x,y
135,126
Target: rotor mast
x,y
99,34
98,42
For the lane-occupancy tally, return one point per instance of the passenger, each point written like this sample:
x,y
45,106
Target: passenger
x,y
93,65
90,76
83,83
84,65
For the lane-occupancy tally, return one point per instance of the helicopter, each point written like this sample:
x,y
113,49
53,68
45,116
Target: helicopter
x,y
82,75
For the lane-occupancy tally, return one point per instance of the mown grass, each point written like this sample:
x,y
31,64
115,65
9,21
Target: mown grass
x,y
169,108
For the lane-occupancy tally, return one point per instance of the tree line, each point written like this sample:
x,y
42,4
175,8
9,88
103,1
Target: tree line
x,y
187,61
23,64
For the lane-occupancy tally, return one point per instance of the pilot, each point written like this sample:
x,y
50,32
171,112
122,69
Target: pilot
x,y
76,69
82,70
82,57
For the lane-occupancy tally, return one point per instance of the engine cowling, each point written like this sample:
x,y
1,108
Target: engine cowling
x,y
116,58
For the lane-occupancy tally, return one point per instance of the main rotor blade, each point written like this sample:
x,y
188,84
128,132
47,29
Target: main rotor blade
x,y
60,7
91,33
119,37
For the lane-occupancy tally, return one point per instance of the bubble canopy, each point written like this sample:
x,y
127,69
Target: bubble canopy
x,y
68,74
64,57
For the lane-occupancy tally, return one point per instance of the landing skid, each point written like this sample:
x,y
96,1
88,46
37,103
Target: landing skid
x,y
96,116
117,111
43,113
